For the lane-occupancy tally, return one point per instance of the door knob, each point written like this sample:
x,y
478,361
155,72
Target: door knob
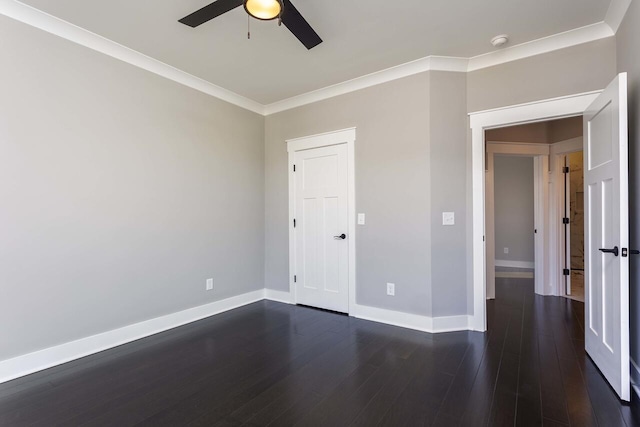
x,y
613,251
340,237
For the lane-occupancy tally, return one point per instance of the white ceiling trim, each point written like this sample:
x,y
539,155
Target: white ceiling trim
x,y
616,12
547,44
440,63
39,19
46,22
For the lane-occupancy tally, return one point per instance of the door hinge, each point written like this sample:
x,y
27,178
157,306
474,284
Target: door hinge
x,y
566,272
565,220
294,223
294,168
295,279
565,169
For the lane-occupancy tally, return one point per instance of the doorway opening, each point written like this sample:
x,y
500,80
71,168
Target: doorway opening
x,y
514,217
533,209
606,308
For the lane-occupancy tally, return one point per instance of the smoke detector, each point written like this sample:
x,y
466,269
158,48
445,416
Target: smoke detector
x,y
499,41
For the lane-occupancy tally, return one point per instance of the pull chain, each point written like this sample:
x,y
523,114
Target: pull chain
x,y
248,27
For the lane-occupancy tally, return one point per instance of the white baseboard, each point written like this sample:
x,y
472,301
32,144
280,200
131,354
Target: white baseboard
x,y
391,317
49,357
43,359
634,372
452,323
279,296
514,264
514,275
412,321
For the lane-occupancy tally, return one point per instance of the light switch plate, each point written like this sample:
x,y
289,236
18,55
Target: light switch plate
x,y
360,219
448,218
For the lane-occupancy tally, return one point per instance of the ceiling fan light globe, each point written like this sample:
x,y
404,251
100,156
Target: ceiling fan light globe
x,y
264,10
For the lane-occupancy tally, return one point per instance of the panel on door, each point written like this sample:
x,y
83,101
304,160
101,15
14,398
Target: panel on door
x,y
321,233
607,235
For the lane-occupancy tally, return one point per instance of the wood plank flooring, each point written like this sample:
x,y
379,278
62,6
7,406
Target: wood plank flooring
x,y
279,365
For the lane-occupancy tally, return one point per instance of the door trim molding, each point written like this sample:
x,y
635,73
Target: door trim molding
x,y
344,136
480,121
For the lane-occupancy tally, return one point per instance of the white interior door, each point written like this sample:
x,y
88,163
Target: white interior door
x,y
322,228
607,235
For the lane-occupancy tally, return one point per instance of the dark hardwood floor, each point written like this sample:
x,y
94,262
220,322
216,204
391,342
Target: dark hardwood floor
x,y
280,365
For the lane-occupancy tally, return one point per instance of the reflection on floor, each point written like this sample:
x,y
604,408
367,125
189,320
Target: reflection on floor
x,y
513,273
275,364
577,285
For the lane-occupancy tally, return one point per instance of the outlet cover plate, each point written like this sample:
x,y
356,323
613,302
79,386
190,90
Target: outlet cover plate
x,y
391,289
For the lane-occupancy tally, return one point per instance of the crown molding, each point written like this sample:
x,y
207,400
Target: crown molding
x,y
558,41
615,14
430,63
46,22
42,20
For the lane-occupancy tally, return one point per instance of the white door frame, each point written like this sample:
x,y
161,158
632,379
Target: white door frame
x,y
540,154
344,136
559,151
480,121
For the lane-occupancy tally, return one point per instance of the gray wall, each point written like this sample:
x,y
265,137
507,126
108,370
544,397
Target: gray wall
x,y
448,153
541,132
529,132
628,39
582,68
565,129
121,193
413,150
514,208
392,188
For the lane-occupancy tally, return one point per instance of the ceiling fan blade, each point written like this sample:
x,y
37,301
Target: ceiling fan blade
x,y
209,12
299,26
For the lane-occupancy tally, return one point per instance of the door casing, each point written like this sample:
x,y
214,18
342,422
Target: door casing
x,y
344,136
538,111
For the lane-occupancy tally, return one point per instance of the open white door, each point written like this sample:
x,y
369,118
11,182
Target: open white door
x,y
607,235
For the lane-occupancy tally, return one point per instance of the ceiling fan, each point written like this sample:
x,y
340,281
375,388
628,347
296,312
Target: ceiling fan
x,y
264,10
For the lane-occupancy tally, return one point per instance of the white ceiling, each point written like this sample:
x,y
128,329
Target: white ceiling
x,y
360,36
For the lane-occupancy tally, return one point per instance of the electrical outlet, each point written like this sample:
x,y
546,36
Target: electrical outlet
x,y
391,289
506,250
209,284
